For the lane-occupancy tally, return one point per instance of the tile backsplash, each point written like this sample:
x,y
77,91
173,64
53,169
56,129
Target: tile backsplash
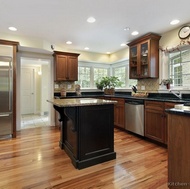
x,y
69,86
150,85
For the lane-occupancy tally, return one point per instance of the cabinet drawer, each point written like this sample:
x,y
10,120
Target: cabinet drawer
x,y
154,105
119,101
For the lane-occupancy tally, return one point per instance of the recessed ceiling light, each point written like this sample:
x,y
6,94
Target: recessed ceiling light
x,y
127,29
91,20
68,42
12,28
86,48
122,44
173,22
135,33
108,53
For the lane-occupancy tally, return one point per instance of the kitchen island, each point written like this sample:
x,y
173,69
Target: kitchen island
x,y
87,130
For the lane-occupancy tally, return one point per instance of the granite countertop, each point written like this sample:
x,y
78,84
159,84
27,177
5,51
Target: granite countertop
x,y
177,111
71,102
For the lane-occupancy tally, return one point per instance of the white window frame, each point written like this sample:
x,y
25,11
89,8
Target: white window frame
x,y
183,48
92,66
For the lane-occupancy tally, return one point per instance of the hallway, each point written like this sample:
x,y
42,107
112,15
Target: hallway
x,y
33,121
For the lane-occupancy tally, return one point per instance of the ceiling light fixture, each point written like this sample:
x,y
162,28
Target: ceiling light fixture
x,y
86,48
108,53
68,42
135,33
122,44
91,20
12,28
174,22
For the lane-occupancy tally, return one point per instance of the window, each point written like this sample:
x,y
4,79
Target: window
x,y
88,73
99,73
84,77
179,67
121,70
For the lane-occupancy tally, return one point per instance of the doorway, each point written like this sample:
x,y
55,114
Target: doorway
x,y
34,91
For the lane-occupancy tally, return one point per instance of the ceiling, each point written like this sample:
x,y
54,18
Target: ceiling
x,y
58,21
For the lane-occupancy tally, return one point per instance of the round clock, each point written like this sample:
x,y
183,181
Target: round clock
x,y
184,32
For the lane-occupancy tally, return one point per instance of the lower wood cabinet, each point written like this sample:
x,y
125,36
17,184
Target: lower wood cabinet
x,y
178,151
156,120
119,111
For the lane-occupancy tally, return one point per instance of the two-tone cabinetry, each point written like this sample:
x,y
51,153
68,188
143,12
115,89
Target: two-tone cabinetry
x,y
65,66
144,57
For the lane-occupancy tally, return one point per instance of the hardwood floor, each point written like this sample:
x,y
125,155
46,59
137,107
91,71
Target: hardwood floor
x,y
34,161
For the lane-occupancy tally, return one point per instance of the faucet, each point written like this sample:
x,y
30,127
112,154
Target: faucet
x,y
176,94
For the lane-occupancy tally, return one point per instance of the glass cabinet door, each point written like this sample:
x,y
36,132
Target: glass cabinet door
x,y
133,62
144,58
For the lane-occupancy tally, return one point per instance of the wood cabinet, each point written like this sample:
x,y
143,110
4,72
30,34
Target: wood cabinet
x,y
178,151
66,66
144,57
119,111
156,120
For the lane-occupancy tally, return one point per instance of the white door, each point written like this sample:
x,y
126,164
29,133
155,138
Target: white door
x,y
27,90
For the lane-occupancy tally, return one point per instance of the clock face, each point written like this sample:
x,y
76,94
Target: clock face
x,y
184,32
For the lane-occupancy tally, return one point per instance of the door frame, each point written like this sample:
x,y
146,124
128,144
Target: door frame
x,y
36,54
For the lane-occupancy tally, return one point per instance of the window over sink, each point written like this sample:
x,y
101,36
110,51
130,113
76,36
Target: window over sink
x,y
179,67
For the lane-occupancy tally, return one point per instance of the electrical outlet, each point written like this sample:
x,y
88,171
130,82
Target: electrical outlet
x,y
142,87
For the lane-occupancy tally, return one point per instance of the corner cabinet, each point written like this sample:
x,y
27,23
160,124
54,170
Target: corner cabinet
x,y
144,57
66,66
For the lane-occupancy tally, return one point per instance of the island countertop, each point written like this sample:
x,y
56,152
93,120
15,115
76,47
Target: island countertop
x,y
71,102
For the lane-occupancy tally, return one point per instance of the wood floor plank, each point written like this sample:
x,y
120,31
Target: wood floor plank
x,y
34,161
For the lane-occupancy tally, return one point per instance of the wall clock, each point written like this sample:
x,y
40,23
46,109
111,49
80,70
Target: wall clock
x,y
184,32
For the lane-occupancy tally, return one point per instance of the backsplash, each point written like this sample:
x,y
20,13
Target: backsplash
x,y
151,85
69,86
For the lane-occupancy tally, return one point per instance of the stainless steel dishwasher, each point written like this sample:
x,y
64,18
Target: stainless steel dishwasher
x,y
134,116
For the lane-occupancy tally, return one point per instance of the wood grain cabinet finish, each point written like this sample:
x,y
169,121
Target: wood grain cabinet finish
x,y
156,120
178,151
144,57
119,111
66,66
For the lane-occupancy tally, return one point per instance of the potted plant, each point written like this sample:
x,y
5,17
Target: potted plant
x,y
167,82
108,84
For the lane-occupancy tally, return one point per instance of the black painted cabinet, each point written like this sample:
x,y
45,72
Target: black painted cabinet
x,y
87,134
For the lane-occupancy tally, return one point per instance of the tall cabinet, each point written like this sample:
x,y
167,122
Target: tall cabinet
x,y
144,57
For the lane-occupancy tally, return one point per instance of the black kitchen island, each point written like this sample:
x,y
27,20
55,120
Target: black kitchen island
x,y
87,130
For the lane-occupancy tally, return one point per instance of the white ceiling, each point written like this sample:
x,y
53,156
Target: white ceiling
x,y
58,21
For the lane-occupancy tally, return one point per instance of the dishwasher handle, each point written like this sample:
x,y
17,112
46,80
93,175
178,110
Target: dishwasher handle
x,y
135,102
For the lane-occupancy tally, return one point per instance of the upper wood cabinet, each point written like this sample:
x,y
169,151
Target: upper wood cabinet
x,y
144,57
66,66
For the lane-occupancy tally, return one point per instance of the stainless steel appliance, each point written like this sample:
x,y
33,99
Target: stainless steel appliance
x,y
134,116
6,88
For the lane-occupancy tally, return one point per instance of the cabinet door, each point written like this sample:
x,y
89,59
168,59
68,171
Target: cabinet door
x,y
119,112
60,68
154,125
72,66
168,105
133,62
144,60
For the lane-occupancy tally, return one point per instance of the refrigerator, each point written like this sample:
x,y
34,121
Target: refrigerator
x,y
6,90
